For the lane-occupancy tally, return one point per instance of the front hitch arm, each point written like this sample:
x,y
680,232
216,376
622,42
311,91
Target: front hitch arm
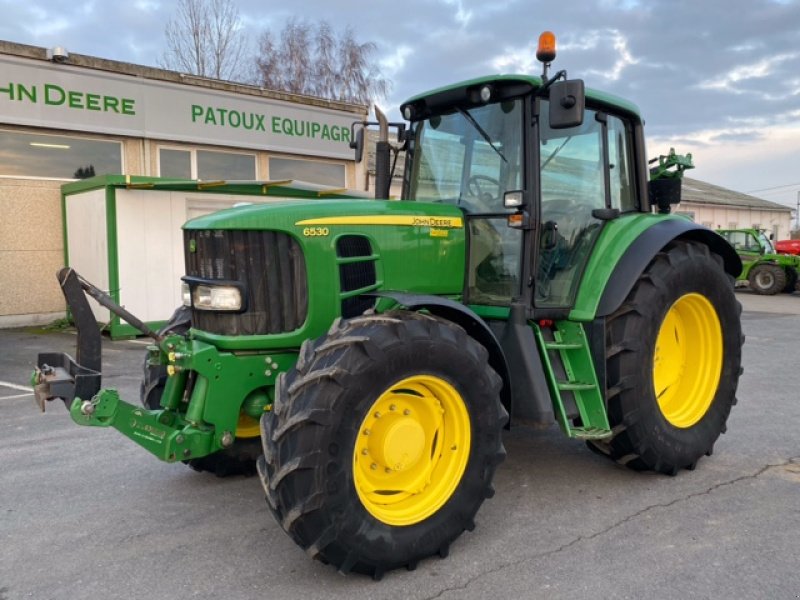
x,y
58,375
195,419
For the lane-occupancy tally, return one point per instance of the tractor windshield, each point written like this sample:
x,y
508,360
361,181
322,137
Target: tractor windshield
x,y
469,157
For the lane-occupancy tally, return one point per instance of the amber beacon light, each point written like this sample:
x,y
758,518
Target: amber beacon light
x,y
546,52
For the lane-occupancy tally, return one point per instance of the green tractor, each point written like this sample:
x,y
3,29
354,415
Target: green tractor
x,y
366,354
766,271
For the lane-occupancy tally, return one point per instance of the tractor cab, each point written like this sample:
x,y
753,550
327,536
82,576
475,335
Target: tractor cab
x,y
537,167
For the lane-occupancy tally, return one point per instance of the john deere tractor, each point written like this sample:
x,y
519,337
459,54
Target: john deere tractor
x,y
367,354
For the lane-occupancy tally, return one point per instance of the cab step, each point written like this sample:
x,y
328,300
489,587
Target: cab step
x,y
568,352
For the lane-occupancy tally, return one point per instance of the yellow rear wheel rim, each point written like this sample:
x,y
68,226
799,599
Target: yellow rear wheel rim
x,y
411,450
247,427
688,360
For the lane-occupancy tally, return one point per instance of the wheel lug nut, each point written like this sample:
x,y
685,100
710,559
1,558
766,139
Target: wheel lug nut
x,y
392,407
373,466
366,432
365,452
406,412
377,415
388,470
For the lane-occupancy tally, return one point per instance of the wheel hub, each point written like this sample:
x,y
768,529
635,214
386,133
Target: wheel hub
x,y
411,450
398,442
765,279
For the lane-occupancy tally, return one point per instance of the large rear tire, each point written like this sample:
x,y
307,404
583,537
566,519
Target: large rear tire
x,y
673,353
383,441
240,458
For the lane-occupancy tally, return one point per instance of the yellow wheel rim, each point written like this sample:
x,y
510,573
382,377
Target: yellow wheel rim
x,y
411,451
688,360
247,427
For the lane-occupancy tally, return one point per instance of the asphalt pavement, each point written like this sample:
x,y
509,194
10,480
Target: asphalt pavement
x,y
86,514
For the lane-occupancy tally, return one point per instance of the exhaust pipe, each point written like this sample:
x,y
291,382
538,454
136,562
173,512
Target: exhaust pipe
x,y
382,157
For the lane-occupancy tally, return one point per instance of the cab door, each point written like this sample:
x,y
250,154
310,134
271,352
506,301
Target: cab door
x,y
585,177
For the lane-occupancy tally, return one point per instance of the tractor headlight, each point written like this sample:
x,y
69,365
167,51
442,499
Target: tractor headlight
x,y
217,297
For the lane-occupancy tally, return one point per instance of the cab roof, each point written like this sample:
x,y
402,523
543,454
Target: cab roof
x,y
507,86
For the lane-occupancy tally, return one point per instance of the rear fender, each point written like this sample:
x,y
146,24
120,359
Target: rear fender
x,y
634,259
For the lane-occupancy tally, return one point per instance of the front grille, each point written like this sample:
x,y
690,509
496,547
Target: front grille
x,y
271,267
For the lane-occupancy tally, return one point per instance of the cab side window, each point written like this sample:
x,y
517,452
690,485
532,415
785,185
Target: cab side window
x,y
620,170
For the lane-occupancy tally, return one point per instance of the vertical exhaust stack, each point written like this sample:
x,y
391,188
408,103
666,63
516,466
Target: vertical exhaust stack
x,y
383,178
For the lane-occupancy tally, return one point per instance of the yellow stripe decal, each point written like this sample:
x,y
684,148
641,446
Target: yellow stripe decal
x,y
408,220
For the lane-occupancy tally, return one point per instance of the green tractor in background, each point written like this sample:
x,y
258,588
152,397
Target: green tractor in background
x,y
382,346
766,271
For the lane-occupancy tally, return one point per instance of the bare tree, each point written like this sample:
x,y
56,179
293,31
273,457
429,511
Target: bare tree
x,y
205,38
313,59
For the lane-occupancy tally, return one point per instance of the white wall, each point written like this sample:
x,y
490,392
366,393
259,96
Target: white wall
x,y
730,217
149,243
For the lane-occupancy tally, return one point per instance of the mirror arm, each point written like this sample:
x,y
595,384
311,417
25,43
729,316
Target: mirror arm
x,y
546,85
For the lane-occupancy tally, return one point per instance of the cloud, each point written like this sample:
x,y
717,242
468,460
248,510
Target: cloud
x,y
752,135
395,62
462,16
517,61
524,60
624,58
758,70
767,159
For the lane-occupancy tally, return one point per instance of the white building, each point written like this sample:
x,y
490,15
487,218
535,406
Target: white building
x,y
720,208
71,116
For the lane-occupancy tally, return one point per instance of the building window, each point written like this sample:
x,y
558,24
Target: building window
x,y
225,165
175,163
323,173
56,156
206,164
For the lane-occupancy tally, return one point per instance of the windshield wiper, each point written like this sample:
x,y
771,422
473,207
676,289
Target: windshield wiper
x,y
555,153
480,130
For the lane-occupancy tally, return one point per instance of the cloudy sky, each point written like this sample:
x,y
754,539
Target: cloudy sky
x,y
718,78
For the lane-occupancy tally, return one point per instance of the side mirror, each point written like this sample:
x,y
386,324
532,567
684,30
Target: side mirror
x,y
567,103
664,193
357,144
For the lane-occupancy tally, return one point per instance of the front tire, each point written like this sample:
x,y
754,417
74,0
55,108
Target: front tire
x,y
383,441
673,362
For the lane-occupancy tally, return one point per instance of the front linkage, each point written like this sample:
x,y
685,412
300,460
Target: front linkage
x,y
189,424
